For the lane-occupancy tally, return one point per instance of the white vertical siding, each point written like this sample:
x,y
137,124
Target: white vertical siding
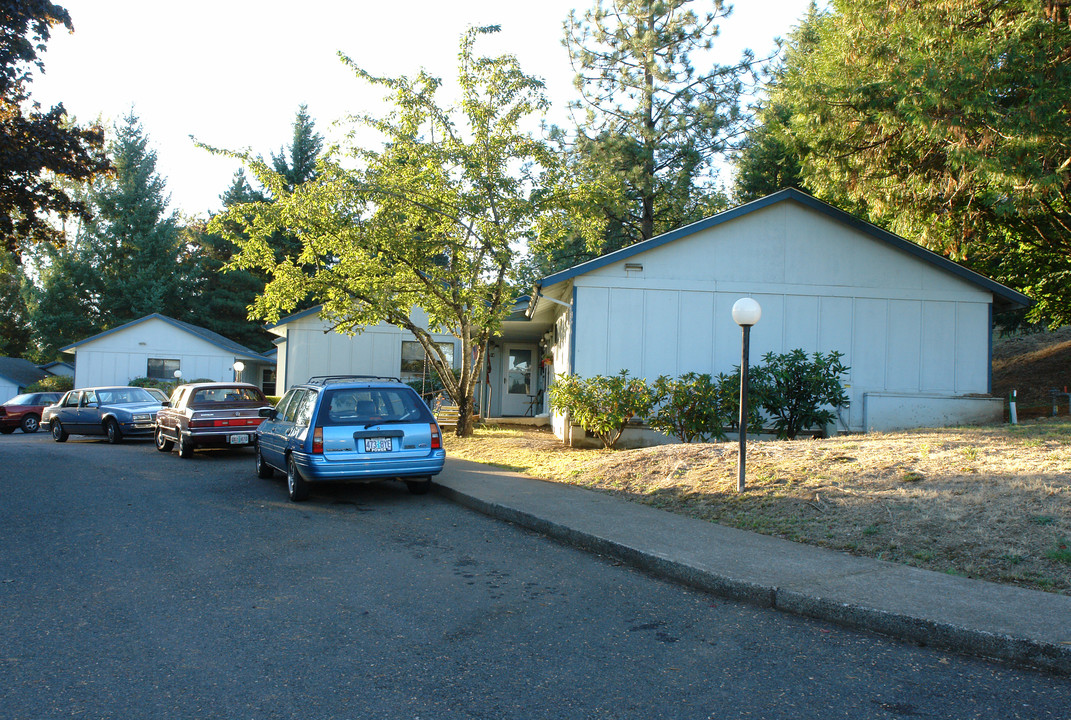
x,y
696,323
972,348
623,328
662,341
938,333
903,353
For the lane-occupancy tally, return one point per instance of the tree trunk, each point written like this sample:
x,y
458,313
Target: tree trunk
x,y
464,416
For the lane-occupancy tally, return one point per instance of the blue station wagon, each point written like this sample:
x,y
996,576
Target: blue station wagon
x,y
350,428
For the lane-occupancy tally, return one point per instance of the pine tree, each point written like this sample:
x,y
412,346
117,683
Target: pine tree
x,y
649,127
133,242
222,296
15,333
948,124
297,163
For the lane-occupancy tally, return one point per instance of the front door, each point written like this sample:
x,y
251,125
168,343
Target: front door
x,y
518,380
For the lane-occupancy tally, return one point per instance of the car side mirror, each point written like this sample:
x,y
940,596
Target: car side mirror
x,y
165,403
269,413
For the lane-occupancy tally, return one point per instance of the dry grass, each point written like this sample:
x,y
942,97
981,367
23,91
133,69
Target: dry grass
x,y
992,503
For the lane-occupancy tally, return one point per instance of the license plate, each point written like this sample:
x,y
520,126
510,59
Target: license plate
x,y
378,445
238,439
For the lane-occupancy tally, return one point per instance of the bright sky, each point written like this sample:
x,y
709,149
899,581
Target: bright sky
x,y
232,73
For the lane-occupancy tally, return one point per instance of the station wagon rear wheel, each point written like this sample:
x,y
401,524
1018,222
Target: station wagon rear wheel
x,y
58,433
264,470
296,487
162,443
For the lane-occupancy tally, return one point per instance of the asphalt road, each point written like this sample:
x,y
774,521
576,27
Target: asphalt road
x,y
137,585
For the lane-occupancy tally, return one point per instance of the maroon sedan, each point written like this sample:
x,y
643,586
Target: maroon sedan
x,y
24,411
216,414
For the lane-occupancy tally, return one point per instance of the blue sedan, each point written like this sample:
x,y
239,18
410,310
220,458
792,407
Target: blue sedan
x,y
114,412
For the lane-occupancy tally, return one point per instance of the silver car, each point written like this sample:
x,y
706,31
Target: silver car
x,y
115,412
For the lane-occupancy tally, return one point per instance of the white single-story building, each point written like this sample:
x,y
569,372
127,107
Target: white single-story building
x,y
308,346
57,367
16,374
914,328
157,346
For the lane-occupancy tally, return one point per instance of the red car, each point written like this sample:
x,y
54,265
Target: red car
x,y
24,411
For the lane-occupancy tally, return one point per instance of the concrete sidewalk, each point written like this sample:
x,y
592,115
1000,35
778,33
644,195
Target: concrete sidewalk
x,y
1023,627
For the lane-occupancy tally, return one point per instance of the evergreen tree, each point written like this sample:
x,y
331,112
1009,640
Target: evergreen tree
x,y
223,295
947,123
64,306
649,128
297,163
768,160
15,333
132,245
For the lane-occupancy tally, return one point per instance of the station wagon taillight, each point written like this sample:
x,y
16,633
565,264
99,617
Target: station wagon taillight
x,y
436,439
318,440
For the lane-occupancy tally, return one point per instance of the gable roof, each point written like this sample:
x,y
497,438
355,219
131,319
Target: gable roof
x,y
296,316
791,194
205,334
52,366
20,371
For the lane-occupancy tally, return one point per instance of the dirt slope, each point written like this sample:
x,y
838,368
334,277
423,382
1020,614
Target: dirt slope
x,y
1033,365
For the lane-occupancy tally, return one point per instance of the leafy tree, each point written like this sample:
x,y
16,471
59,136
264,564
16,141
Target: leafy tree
x,y
649,125
689,408
797,392
39,148
430,221
947,123
15,332
603,405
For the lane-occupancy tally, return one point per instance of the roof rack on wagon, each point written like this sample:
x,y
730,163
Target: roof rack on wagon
x,y
329,379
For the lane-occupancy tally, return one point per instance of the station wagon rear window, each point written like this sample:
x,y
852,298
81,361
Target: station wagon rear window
x,y
353,406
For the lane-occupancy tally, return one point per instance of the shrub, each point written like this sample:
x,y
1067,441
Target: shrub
x,y
602,405
729,400
797,392
52,383
692,407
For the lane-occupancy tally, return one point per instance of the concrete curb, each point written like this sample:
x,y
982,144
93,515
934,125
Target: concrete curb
x,y
1019,651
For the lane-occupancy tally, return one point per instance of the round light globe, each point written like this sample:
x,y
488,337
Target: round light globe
x,y
746,311
178,374
239,366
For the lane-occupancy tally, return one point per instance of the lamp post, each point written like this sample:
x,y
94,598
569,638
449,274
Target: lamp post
x,y
239,366
746,312
178,375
